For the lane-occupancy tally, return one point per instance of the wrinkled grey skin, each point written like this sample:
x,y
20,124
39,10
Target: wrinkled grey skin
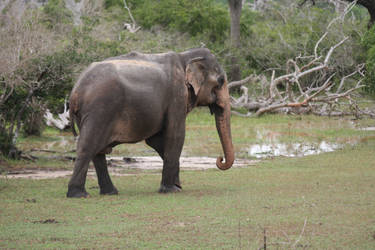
x,y
137,97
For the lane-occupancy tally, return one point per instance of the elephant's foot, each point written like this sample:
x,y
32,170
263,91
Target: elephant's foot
x,y
77,193
170,188
109,191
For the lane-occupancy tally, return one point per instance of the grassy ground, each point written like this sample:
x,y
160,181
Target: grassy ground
x,y
333,193
324,201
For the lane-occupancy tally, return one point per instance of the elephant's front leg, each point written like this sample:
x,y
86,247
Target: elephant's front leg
x,y
174,138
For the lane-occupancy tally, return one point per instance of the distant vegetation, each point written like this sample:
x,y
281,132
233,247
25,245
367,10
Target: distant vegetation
x,y
369,48
44,51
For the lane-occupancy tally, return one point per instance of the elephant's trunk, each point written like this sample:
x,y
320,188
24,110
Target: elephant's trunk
x,y
222,117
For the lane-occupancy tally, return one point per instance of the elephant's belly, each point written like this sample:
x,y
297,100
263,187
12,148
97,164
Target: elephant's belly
x,y
135,129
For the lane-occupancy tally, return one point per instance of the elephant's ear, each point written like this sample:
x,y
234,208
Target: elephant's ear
x,y
195,74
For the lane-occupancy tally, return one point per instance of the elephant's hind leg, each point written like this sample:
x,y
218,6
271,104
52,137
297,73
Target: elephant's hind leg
x,y
105,183
76,186
90,142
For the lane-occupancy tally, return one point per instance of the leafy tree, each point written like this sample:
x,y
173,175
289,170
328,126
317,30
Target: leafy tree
x,y
369,45
56,13
370,6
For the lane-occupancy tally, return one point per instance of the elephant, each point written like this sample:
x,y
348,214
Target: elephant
x,y
136,97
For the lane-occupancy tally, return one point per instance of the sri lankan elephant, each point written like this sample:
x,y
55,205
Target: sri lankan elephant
x,y
135,97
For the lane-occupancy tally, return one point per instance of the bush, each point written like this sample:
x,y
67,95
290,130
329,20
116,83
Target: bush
x,y
192,16
6,140
34,121
56,13
54,75
113,3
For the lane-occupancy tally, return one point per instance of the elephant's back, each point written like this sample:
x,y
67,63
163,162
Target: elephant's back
x,y
124,80
127,96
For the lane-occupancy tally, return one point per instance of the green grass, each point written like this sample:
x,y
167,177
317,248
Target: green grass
x,y
333,192
269,128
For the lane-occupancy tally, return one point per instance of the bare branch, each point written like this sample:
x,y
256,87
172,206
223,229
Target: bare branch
x,y
332,49
248,114
318,43
132,28
315,98
300,235
358,70
62,122
250,78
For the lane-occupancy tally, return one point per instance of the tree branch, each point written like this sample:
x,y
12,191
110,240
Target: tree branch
x,y
315,98
132,28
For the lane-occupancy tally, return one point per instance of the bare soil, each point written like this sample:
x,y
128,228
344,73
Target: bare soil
x,y
121,166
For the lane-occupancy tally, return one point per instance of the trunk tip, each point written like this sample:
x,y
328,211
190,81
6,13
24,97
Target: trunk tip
x,y
224,166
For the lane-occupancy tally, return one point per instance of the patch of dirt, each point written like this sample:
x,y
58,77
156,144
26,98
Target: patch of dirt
x,y
125,166
47,221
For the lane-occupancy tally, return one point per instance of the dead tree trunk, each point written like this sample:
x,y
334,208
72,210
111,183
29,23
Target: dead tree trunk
x,y
131,27
62,122
235,7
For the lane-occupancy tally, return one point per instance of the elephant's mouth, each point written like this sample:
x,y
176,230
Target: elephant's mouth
x,y
215,109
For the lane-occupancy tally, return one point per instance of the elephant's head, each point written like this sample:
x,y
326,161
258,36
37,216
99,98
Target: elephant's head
x,y
207,83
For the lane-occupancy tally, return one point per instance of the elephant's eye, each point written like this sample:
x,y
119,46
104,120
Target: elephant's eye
x,y
201,66
220,80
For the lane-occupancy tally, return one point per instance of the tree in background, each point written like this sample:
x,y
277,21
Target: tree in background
x,y
235,7
22,42
369,45
370,6
34,74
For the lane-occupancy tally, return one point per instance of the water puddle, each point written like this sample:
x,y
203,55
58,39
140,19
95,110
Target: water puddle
x,y
186,163
272,147
368,129
123,166
290,149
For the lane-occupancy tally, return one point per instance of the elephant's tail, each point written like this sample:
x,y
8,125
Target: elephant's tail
x,y
72,114
72,122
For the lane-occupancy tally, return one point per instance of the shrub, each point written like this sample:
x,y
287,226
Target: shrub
x,y
34,121
192,16
56,13
6,140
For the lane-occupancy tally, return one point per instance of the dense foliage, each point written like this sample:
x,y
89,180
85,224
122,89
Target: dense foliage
x,y
369,47
191,16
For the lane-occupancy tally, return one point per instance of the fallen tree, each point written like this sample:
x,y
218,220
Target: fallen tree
x,y
61,122
285,93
